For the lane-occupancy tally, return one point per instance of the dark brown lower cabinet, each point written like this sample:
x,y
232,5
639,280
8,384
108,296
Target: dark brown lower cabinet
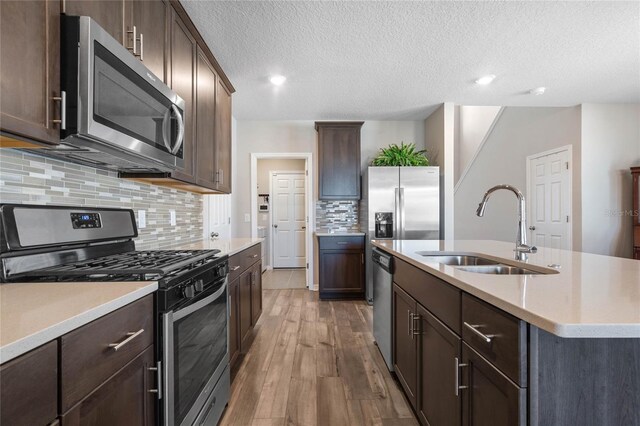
x,y
256,292
245,301
234,337
244,306
29,387
341,269
124,399
405,344
439,396
490,399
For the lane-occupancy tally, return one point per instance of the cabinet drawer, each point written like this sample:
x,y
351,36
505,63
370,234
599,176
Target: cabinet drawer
x,y
439,297
29,387
235,266
87,357
251,255
341,243
505,337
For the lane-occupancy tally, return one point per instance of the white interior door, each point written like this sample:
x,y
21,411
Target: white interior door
x,y
549,197
289,219
218,215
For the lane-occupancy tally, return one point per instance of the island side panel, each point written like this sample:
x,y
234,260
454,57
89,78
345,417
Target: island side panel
x,y
590,381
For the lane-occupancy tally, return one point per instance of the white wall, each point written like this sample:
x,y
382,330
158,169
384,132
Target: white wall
x,y
610,146
440,135
518,133
474,122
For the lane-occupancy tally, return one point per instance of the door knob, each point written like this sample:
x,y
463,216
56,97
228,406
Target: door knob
x,y
304,227
532,228
275,226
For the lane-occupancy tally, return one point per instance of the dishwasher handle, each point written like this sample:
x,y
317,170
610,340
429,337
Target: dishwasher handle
x,y
382,259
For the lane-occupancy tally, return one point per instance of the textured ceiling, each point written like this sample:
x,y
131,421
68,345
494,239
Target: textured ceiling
x,y
397,60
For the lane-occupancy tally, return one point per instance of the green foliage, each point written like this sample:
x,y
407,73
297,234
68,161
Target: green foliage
x,y
403,155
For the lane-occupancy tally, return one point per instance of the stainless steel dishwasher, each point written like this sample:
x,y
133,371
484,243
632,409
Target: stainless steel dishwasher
x,y
383,304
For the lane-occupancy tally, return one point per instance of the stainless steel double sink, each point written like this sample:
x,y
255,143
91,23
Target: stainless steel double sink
x,y
482,265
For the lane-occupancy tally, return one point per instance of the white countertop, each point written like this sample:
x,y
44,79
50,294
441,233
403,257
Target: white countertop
x,y
32,314
591,296
228,247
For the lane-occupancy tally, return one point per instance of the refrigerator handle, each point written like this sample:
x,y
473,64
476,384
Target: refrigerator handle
x,y
402,212
397,215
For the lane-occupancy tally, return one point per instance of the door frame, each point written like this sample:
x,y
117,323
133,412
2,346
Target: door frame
x,y
311,222
272,173
569,149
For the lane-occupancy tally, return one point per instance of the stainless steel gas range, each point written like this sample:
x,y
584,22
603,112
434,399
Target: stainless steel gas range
x,y
52,243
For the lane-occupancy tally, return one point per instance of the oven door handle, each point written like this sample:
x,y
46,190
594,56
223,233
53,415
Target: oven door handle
x,y
177,315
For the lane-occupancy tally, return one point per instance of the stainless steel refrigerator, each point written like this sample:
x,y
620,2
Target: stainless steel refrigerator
x,y
399,203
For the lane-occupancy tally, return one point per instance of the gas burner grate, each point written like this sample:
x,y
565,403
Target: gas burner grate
x,y
133,265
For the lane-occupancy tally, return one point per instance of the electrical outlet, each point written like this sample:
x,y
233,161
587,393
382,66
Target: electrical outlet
x,y
142,219
172,217
247,217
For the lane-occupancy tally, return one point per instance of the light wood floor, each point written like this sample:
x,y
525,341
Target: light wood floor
x,y
314,363
284,279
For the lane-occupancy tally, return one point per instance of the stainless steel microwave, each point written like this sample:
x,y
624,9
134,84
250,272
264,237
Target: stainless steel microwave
x,y
116,113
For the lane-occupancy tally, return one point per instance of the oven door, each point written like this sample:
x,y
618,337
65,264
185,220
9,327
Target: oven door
x,y
195,354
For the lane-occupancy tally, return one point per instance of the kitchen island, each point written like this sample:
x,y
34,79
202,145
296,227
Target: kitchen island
x,y
529,349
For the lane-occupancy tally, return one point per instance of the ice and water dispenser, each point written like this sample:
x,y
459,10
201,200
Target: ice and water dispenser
x,y
384,225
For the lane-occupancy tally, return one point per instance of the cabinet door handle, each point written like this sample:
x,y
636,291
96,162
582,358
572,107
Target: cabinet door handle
x,y
409,323
235,268
63,109
458,366
485,337
342,243
141,47
131,335
134,38
158,370
416,329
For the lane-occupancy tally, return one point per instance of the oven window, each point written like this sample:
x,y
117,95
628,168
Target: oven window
x,y
199,345
126,102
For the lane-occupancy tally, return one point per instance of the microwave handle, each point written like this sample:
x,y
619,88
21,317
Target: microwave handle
x,y
166,131
180,137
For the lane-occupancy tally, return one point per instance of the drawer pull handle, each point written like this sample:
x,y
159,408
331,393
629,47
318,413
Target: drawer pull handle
x,y
342,243
458,366
131,335
486,337
235,268
253,256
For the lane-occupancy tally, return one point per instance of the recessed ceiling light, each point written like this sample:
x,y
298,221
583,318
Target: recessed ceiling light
x,y
277,79
538,91
485,79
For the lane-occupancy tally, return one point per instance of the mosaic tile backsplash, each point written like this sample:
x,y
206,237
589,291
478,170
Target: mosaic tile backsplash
x,y
337,216
30,179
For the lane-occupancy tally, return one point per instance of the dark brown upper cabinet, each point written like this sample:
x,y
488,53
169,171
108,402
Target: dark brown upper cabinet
x,y
339,159
30,69
110,15
205,122
223,138
150,20
182,78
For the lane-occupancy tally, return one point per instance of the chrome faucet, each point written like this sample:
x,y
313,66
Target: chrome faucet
x,y
521,241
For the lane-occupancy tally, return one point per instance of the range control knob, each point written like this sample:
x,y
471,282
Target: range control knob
x,y
188,291
199,285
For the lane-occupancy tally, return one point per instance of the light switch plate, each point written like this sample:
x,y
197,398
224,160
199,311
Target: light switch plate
x,y
247,217
142,219
172,217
